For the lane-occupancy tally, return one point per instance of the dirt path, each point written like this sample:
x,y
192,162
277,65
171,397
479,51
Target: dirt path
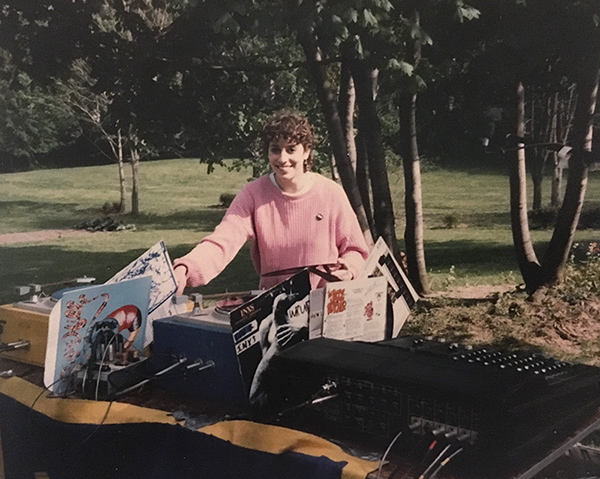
x,y
42,235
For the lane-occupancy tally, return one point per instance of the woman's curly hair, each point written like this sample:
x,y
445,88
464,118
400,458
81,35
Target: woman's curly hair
x,y
290,126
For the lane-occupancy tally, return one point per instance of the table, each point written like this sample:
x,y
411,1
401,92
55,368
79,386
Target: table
x,y
407,459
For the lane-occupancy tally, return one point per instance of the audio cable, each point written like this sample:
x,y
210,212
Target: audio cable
x,y
389,448
445,461
435,461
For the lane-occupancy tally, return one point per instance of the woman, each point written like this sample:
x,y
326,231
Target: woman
x,y
295,218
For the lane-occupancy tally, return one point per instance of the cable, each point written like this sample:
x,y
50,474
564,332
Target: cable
x,y
329,387
444,462
209,364
411,453
386,453
106,348
434,462
429,451
37,398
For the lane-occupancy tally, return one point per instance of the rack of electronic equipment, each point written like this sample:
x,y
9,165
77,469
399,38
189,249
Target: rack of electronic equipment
x,y
503,410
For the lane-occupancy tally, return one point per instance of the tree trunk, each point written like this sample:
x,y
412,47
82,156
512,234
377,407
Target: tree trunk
x,y
362,178
537,177
135,197
556,182
369,125
556,171
565,112
413,203
413,198
121,172
346,103
334,126
558,250
528,263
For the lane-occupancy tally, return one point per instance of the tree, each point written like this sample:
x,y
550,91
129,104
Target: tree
x,y
91,108
370,127
560,244
413,203
526,257
576,53
34,122
337,138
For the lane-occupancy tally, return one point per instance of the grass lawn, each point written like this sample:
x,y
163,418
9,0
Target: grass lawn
x,y
179,204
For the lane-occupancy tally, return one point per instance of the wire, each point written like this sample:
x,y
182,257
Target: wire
x,y
106,348
411,453
37,398
396,437
444,462
434,462
328,387
429,451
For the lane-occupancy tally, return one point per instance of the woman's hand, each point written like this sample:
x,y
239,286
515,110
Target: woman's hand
x,y
343,273
180,273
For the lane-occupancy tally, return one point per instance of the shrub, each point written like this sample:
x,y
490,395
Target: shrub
x,y
451,221
543,218
111,208
589,219
581,280
225,199
585,252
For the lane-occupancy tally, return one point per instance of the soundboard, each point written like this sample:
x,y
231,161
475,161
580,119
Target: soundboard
x,y
505,405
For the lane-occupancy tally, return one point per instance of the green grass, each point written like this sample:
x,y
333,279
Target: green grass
x,y
178,200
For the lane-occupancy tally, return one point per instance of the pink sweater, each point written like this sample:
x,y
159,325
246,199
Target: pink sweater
x,y
314,227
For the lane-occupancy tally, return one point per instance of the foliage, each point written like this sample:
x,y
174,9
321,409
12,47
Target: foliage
x,y
590,218
585,252
543,218
225,199
562,323
582,276
34,121
451,221
105,223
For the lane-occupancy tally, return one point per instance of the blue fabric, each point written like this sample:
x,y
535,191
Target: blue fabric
x,y
33,442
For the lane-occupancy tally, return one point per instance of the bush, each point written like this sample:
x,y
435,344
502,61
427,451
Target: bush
x,y
451,221
111,208
543,218
225,199
589,219
585,252
581,281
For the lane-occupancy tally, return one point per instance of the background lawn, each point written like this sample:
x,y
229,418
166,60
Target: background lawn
x,y
179,201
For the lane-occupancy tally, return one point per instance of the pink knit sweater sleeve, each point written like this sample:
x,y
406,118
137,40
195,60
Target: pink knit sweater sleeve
x,y
351,244
216,250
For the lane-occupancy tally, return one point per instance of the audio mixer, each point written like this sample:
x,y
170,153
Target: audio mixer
x,y
507,405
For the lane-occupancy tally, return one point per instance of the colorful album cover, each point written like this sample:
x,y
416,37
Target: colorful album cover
x,y
155,263
401,293
118,311
267,324
356,310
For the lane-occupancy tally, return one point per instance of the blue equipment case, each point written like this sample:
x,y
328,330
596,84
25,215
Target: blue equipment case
x,y
203,336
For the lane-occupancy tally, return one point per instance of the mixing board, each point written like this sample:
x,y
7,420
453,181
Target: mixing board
x,y
506,404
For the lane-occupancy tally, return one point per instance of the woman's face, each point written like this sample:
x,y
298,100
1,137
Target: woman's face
x,y
287,160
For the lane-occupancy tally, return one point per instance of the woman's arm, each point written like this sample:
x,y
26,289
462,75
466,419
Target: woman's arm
x,y
217,250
